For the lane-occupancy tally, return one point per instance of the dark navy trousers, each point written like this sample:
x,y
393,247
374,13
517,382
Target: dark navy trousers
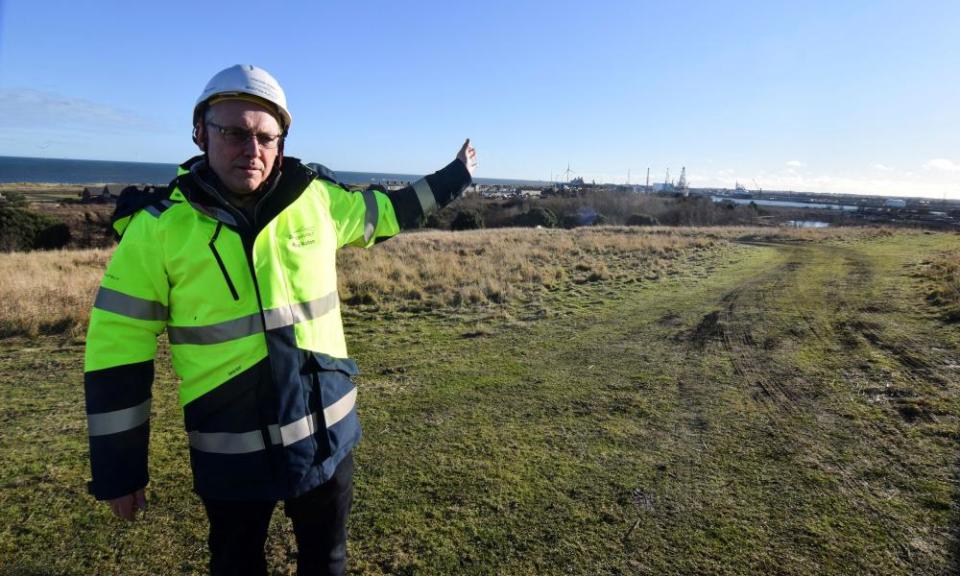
x,y
238,529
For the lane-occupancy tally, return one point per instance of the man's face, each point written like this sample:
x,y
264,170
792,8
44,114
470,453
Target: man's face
x,y
242,163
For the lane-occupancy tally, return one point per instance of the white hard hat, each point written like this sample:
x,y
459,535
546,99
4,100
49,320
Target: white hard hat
x,y
245,80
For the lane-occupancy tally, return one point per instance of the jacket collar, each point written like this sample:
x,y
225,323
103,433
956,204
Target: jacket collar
x,y
204,191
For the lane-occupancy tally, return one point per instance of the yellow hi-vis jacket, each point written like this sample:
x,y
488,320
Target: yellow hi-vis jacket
x,y
251,310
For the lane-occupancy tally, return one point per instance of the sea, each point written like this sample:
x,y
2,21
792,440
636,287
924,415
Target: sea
x,y
65,171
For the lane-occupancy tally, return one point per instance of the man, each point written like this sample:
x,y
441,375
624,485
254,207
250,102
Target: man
x,y
236,260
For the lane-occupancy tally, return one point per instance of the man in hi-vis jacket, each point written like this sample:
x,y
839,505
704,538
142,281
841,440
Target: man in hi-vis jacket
x,y
236,261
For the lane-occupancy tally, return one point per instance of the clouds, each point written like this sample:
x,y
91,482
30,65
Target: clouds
x,y
27,108
49,124
941,165
938,178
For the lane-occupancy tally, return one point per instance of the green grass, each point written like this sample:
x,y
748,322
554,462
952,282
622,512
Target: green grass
x,y
785,407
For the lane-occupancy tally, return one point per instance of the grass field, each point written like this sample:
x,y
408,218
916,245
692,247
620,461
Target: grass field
x,y
719,401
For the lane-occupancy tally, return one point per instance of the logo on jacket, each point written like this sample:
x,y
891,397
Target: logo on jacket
x,y
303,237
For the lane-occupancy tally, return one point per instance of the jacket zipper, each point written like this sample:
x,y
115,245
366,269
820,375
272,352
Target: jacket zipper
x,y
247,238
223,268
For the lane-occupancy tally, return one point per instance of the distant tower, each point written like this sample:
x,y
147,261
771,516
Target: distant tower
x,y
647,187
682,183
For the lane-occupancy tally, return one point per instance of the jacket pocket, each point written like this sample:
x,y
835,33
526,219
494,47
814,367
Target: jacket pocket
x,y
334,396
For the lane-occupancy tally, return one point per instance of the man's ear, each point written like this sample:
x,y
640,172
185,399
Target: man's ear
x,y
199,136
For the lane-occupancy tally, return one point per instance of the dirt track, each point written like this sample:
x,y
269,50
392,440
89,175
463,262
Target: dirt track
x,y
820,406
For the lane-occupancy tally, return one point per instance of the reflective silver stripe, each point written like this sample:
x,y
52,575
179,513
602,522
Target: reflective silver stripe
x,y
245,442
300,312
227,442
130,306
425,195
117,421
158,210
306,426
299,429
216,333
373,214
248,325
339,409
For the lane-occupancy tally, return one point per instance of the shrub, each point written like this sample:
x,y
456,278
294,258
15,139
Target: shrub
x,y
18,199
696,211
467,220
584,216
21,229
433,221
52,237
642,220
536,217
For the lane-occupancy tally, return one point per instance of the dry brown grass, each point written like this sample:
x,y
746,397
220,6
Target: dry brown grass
x,y
428,270
51,292
944,274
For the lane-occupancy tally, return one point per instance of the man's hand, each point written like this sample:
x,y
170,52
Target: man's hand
x,y
126,506
468,155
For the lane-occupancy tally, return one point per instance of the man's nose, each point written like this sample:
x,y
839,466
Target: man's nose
x,y
251,146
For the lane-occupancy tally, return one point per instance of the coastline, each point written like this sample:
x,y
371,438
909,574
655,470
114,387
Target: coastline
x,y
22,172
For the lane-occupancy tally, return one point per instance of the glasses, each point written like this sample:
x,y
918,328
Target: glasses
x,y
239,137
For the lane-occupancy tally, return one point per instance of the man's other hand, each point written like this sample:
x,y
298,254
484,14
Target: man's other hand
x,y
126,506
468,155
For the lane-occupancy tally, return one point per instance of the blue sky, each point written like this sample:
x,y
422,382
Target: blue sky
x,y
849,96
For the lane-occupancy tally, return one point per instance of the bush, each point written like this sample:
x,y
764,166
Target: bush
x,y
696,211
584,216
467,220
536,217
17,199
433,221
642,220
52,237
21,229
